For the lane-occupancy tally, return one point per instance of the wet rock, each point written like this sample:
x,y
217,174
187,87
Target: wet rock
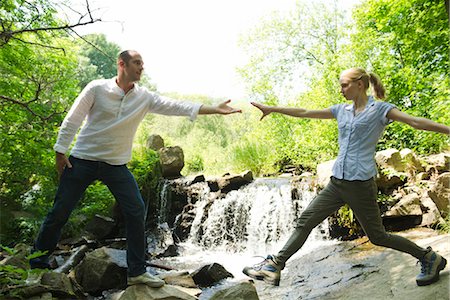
x,y
142,291
183,279
240,291
234,182
210,274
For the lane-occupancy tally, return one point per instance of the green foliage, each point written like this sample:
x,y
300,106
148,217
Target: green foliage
x,y
146,168
406,43
195,164
444,225
347,219
12,276
250,155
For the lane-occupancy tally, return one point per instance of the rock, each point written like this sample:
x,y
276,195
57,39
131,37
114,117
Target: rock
x,y
411,161
210,274
241,291
408,205
440,193
234,182
38,286
183,223
101,227
141,291
439,162
172,161
183,279
324,172
19,259
359,270
198,178
102,269
390,158
431,215
388,179
155,142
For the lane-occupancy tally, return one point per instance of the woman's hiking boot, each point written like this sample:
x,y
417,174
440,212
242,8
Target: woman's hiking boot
x,y
266,270
431,264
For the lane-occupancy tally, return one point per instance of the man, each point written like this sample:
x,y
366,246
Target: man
x,y
113,109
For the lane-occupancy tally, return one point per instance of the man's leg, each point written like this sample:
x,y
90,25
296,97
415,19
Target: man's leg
x,y
123,186
72,185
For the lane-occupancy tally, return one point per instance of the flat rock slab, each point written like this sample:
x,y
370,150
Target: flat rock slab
x,y
359,270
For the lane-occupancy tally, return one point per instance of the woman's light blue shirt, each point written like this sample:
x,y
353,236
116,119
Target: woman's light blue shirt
x,y
358,136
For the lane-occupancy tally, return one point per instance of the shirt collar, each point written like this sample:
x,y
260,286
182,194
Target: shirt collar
x,y
113,87
370,102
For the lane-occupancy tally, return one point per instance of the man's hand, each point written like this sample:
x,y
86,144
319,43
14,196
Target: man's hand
x,y
222,109
61,162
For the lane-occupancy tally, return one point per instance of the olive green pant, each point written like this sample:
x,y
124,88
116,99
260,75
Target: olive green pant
x,y
361,196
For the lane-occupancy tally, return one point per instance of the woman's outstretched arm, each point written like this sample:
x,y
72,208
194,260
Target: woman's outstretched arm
x,y
293,111
417,122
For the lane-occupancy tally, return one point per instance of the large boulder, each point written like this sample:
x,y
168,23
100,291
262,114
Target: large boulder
x,y
155,142
411,161
229,183
439,162
142,291
390,158
241,291
440,193
102,269
172,161
210,274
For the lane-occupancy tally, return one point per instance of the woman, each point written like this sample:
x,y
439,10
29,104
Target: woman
x,y
360,127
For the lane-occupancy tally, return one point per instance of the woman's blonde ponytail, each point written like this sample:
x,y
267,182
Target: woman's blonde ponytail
x,y
377,86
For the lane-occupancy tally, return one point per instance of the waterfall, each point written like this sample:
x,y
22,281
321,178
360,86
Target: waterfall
x,y
253,219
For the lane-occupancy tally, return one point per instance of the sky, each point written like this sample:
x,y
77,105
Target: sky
x,y
188,46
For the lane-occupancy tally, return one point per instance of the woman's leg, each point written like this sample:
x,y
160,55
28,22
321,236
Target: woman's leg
x,y
325,203
362,198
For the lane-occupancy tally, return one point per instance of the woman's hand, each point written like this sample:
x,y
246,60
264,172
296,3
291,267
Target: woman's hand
x,y
266,110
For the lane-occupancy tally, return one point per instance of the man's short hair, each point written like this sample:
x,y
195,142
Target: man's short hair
x,y
125,56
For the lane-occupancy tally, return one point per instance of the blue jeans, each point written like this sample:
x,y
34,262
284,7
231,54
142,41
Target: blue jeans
x,y
74,181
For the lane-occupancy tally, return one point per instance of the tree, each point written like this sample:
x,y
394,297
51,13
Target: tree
x,y
295,60
406,43
102,54
37,84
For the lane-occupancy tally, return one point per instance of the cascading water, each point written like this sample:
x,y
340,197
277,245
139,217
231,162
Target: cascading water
x,y
254,220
